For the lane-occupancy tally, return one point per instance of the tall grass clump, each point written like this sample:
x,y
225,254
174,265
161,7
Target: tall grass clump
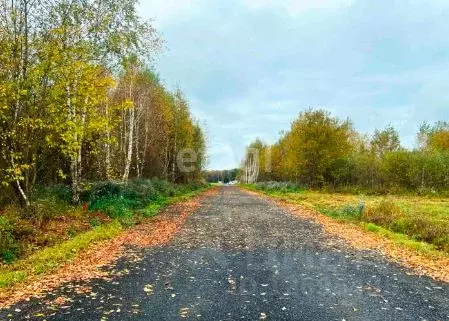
x,y
421,228
384,213
348,212
282,187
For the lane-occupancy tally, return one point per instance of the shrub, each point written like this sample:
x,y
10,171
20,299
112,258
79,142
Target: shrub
x,y
421,228
60,193
95,222
429,230
102,190
120,201
283,187
164,187
9,246
353,210
142,190
43,210
113,207
197,184
384,213
347,212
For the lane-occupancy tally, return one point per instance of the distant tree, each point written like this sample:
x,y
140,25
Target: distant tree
x,y
251,162
384,141
438,136
315,143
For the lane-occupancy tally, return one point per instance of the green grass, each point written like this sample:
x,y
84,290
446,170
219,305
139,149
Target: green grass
x,y
125,212
52,219
403,240
50,258
417,222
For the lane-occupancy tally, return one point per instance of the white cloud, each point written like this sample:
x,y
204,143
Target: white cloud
x,y
250,66
294,7
162,11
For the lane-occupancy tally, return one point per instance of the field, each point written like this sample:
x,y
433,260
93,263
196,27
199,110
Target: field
x,y
414,218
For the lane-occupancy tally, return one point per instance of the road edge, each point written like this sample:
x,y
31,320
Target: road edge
x,y
87,264
360,239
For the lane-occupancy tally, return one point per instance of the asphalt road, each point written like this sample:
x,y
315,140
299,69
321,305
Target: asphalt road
x,y
242,257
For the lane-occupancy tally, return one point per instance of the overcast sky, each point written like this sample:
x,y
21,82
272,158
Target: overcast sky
x,y
249,67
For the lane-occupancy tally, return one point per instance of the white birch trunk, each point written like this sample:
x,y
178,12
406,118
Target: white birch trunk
x,y
130,146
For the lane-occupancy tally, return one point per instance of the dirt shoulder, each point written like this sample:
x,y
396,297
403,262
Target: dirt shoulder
x,y
241,256
358,238
91,263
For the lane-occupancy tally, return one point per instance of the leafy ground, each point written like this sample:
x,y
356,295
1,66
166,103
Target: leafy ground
x,y
421,257
239,256
107,209
418,222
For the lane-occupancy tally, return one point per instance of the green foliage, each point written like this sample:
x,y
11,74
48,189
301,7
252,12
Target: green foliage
x,y
384,213
403,240
164,187
142,189
143,197
50,258
421,222
427,228
21,229
43,210
9,246
95,222
320,151
348,212
113,207
152,209
71,232
282,187
60,193
385,141
102,190
78,102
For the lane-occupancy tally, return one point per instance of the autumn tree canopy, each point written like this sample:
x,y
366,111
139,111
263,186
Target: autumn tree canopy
x,y
78,101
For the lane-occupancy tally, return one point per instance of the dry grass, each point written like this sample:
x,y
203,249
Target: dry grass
x,y
421,257
419,218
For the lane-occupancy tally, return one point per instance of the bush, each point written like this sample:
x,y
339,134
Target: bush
x,y
353,210
283,187
43,210
102,190
60,193
164,187
9,246
384,213
426,229
429,230
122,201
347,212
113,207
197,184
142,190
119,200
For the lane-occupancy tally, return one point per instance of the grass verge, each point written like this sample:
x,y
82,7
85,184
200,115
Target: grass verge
x,y
417,223
50,258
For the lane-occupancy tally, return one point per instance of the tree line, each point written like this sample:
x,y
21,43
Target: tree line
x,y
79,103
224,176
323,151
